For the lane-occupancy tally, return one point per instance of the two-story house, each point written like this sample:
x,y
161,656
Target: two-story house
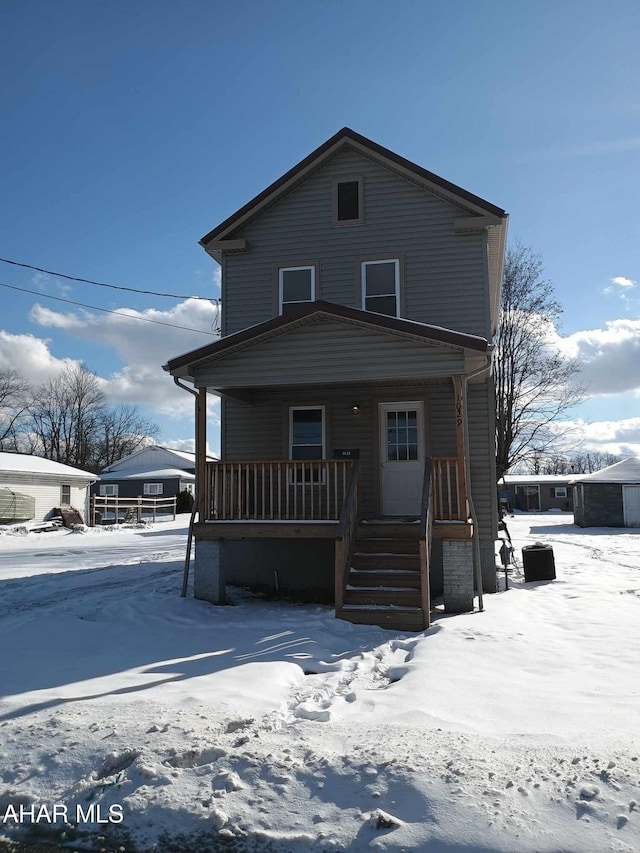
x,y
360,294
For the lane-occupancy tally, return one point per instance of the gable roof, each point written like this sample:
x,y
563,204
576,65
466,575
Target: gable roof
x,y
627,471
26,463
167,457
148,472
308,313
347,138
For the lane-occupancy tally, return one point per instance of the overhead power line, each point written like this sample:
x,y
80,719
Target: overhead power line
x,y
105,310
103,284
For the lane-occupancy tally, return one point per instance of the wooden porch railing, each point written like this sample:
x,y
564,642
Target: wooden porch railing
x,y
276,490
424,543
347,527
449,500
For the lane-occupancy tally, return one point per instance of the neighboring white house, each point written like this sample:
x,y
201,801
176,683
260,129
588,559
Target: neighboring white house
x,y
49,483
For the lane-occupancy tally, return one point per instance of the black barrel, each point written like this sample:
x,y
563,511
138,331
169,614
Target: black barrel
x,y
538,563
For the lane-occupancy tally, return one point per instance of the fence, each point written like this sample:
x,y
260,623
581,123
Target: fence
x,y
126,509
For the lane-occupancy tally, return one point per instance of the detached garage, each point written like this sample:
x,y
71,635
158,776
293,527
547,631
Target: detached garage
x,y
609,498
32,487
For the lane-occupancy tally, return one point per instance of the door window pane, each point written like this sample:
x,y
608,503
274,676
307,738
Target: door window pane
x,y
402,436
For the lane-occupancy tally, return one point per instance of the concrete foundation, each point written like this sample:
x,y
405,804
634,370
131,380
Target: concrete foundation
x,y
457,567
208,577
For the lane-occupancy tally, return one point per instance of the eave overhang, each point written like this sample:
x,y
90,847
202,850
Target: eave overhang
x,y
186,365
217,241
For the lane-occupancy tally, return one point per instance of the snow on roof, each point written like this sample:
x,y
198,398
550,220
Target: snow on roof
x,y
521,479
186,455
25,463
147,472
627,471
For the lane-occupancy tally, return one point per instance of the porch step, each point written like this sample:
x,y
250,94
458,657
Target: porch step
x,y
383,560
392,618
386,544
388,530
405,578
382,596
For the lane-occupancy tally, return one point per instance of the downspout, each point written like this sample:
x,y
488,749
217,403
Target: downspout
x,y
187,558
467,470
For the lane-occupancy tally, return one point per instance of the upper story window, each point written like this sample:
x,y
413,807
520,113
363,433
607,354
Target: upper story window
x,y
348,202
381,286
296,285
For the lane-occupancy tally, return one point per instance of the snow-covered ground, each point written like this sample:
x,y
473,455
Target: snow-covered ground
x,y
275,727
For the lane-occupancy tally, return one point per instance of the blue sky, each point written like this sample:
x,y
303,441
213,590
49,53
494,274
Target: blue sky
x,y
132,129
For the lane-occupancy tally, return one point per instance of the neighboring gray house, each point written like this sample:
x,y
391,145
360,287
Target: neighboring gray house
x,y
360,294
32,487
610,497
153,472
537,492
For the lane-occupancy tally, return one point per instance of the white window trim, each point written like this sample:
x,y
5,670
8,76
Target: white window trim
x,y
152,489
562,490
109,490
282,270
64,486
293,409
363,281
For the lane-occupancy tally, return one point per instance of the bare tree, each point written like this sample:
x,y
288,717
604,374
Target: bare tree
x,y
70,421
14,399
535,384
589,461
123,430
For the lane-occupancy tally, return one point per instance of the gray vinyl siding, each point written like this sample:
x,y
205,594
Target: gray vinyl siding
x,y
483,475
260,431
444,273
330,352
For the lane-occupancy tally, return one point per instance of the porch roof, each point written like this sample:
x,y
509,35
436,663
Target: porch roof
x,y
364,329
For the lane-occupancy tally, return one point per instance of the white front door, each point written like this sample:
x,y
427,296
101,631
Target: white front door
x,y
401,457
631,502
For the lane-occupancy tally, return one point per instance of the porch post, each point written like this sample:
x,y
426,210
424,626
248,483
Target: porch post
x,y
463,503
201,453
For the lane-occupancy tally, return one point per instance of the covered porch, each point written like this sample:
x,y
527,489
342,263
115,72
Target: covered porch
x,y
335,421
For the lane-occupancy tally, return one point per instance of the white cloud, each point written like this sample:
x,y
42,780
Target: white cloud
x,y
622,281
31,356
621,438
620,285
610,357
143,346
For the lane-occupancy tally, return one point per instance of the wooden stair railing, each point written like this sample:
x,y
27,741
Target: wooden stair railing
x,y
426,526
345,533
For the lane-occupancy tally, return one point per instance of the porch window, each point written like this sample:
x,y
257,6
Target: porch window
x,y
307,438
381,287
296,285
65,495
109,491
152,488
